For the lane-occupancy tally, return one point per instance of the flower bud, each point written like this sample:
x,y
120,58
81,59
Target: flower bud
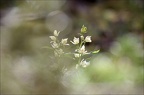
x,y
82,37
56,33
84,29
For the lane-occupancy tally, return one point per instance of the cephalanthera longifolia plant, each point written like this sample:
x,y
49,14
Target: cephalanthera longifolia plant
x,y
80,51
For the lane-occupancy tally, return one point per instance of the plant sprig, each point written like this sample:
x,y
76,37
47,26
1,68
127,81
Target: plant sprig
x,y
79,52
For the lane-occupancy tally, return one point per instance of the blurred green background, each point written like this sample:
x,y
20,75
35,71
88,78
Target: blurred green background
x,y
116,27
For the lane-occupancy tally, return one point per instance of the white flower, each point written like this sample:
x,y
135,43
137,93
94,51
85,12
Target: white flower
x,y
64,41
77,55
56,33
88,39
53,38
82,50
84,63
55,45
75,40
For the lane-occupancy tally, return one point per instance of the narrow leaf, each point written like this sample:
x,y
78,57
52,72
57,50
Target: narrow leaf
x,y
96,51
47,47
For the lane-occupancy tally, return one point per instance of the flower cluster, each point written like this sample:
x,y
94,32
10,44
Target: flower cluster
x,y
81,51
56,44
78,42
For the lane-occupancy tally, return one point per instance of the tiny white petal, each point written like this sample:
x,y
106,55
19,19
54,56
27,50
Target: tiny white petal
x,y
77,55
75,41
55,45
64,41
53,38
56,33
82,50
88,39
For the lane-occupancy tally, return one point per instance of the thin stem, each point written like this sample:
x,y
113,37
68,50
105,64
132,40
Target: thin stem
x,y
79,59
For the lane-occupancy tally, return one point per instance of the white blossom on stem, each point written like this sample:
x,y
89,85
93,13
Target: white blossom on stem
x,y
82,50
64,41
53,38
56,33
75,41
88,39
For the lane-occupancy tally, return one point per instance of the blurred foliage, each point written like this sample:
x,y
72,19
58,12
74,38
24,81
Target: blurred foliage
x,y
124,63
116,27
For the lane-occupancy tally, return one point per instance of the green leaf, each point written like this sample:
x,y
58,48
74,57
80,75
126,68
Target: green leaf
x,y
96,51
